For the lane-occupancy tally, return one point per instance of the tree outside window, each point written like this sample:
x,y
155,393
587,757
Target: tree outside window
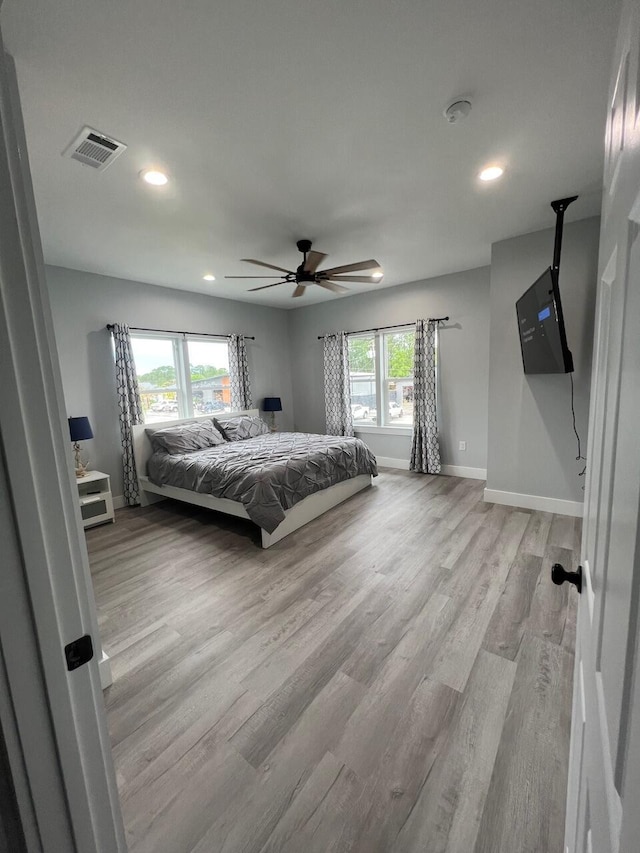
x,y
180,376
381,367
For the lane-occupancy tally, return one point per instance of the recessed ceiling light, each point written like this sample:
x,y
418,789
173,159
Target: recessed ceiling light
x,y
491,173
377,274
209,277
154,177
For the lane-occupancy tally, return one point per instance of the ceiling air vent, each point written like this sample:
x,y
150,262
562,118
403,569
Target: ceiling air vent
x,y
92,148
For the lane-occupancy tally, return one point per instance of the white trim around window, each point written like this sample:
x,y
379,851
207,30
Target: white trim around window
x,y
374,383
384,430
181,363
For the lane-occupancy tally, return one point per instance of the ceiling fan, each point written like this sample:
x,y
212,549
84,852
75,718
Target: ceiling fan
x,y
307,273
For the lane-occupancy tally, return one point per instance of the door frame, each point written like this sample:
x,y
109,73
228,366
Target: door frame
x,y
53,721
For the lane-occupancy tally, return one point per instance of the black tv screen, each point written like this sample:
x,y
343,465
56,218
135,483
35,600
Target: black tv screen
x,y
541,325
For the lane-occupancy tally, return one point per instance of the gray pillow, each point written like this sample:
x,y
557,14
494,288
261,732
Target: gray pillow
x,y
241,427
184,438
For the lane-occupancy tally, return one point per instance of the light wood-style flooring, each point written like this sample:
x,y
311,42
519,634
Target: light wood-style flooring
x,y
395,677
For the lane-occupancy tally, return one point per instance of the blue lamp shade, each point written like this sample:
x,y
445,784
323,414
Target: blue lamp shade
x,y
272,404
80,429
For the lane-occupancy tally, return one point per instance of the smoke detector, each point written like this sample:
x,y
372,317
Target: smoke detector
x,y
93,148
458,110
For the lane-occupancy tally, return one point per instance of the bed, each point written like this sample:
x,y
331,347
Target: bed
x,y
332,468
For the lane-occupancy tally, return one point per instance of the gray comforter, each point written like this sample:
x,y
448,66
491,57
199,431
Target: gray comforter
x,y
267,474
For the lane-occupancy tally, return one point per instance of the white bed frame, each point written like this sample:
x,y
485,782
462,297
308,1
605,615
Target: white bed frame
x,y
303,512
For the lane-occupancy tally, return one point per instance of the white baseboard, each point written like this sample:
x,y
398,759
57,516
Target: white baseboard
x,y
118,501
463,471
389,462
104,668
556,505
449,470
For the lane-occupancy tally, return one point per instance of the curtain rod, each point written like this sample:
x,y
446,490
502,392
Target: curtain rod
x,y
395,326
173,332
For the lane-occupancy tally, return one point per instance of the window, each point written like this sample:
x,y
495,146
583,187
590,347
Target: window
x,y
180,376
381,368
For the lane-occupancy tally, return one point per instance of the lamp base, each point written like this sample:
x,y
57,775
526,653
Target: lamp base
x,y
80,467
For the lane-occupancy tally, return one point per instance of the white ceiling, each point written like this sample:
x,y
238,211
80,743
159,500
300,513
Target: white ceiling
x,y
284,119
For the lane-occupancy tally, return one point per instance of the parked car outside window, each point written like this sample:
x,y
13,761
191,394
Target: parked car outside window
x,y
359,411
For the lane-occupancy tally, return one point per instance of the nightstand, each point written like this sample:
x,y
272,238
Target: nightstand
x,y
96,503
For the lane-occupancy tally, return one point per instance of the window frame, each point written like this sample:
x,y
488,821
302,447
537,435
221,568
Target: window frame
x,y
383,424
180,346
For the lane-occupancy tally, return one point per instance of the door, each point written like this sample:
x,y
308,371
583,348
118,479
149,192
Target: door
x,y
52,721
603,797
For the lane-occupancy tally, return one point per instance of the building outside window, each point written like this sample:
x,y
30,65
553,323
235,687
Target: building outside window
x,y
181,376
381,368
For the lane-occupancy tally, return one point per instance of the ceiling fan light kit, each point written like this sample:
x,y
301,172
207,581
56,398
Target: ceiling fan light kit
x,y
307,272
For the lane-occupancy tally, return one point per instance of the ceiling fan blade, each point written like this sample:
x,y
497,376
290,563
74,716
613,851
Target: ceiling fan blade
x,y
262,264
368,279
253,277
299,291
361,265
265,286
336,288
314,259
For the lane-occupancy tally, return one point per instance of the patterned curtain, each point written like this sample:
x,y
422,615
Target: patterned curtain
x,y
239,374
425,449
130,408
337,396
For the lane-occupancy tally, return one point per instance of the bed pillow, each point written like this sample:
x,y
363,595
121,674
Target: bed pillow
x,y
184,438
241,427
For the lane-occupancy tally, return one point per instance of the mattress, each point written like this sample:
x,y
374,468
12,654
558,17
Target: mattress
x,y
268,474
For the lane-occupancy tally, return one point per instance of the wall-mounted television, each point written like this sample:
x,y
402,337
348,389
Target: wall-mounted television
x,y
541,326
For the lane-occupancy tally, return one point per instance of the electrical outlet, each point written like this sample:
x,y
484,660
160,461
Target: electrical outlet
x,y
462,445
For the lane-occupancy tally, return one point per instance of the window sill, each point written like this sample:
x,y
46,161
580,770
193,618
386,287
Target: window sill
x,y
383,430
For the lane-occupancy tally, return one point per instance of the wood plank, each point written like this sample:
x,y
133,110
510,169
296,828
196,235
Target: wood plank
x,y
460,538
269,675
550,602
476,603
316,818
281,779
310,658
374,722
511,616
166,735
562,532
536,535
260,734
446,816
147,692
380,640
405,766
528,785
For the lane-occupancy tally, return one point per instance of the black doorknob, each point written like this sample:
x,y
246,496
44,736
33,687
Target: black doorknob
x,y
559,575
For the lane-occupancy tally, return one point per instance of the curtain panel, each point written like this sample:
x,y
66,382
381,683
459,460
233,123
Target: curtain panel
x,y
425,446
239,374
337,394
130,408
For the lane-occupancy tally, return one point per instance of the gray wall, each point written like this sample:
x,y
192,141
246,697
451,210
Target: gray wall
x,y
532,447
483,390
464,357
83,303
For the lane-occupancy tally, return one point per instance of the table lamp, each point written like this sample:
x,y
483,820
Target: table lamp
x,y
79,430
272,405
